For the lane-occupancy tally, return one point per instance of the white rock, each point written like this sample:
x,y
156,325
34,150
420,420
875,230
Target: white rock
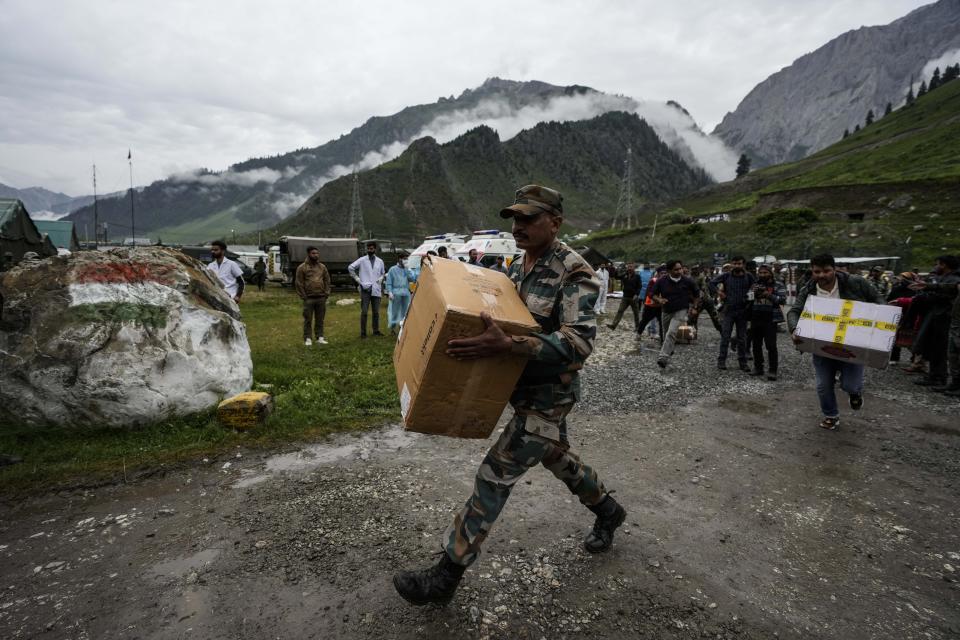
x,y
117,338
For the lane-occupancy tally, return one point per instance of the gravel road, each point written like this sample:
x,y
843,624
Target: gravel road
x,y
745,521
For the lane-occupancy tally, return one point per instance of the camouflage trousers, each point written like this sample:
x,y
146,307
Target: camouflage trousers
x,y
516,451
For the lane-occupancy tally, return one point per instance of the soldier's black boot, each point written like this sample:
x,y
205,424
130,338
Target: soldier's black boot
x,y
434,585
610,515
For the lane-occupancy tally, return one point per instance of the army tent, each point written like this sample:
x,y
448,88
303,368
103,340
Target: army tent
x,y
19,234
62,233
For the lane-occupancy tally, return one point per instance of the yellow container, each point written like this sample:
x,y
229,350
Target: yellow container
x,y
245,411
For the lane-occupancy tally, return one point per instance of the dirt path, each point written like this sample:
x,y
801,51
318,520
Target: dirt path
x,y
745,521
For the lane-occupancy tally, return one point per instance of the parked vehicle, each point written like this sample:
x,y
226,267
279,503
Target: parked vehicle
x,y
336,253
490,244
451,241
274,272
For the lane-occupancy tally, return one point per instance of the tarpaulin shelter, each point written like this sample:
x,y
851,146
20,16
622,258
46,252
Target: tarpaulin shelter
x,y
19,234
62,233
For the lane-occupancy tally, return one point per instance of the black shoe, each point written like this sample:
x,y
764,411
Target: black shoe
x,y
772,376
953,386
930,382
377,333
661,363
757,372
363,336
434,585
611,326
721,365
856,401
744,366
610,515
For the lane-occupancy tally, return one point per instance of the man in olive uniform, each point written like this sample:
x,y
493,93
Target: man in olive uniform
x,y
560,290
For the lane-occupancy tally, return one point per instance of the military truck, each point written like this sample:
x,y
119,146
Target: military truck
x,y
335,253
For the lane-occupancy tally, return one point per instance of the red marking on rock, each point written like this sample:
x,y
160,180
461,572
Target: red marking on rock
x,y
124,272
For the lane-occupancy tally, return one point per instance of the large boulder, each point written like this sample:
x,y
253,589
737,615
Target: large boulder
x,y
118,338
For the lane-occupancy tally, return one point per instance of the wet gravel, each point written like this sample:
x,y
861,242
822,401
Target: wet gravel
x,y
622,375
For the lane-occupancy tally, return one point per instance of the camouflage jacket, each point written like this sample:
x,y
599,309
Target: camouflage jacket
x,y
560,291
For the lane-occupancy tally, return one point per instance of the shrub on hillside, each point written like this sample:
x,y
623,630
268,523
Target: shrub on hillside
x,y
786,220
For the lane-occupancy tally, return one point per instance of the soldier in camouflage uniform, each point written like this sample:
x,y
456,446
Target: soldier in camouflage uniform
x,y
560,290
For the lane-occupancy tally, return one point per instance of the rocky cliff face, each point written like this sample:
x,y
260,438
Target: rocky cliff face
x,y
806,106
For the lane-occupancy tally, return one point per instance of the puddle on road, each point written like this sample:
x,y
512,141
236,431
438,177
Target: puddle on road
x,y
390,439
180,566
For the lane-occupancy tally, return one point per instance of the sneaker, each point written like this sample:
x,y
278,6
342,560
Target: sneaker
x,y
322,340
830,424
856,401
308,342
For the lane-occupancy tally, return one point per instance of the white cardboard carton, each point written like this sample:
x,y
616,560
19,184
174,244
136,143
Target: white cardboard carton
x,y
847,330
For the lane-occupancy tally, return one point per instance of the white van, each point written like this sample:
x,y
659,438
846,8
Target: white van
x,y
489,244
451,241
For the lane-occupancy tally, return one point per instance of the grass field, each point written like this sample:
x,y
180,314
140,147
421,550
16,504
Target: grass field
x,y
346,385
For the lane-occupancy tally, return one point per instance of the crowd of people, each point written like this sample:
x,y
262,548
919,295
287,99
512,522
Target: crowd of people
x,y
745,302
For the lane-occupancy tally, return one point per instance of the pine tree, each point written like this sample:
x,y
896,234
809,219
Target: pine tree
x,y
846,133
743,165
869,117
922,91
856,128
935,79
889,109
910,98
951,73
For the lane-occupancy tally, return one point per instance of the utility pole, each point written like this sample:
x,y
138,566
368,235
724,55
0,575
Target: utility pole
x,y
96,216
655,219
356,213
625,201
133,231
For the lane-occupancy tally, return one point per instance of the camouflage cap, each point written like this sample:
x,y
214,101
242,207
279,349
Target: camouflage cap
x,y
534,199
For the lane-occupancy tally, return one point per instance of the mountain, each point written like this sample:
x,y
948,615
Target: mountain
x,y
261,192
463,184
806,106
39,200
891,188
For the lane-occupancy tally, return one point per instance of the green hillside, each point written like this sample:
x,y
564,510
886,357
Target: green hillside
x,y
461,185
892,188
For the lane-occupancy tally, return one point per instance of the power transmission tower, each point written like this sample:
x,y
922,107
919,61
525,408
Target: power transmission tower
x,y
624,213
356,213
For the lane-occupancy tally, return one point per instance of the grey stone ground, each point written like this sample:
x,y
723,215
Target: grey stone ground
x,y
745,521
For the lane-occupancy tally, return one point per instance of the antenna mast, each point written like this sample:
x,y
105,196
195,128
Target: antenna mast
x,y
624,213
96,216
356,213
133,232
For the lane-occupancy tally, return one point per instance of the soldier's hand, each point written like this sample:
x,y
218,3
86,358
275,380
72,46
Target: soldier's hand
x,y
493,341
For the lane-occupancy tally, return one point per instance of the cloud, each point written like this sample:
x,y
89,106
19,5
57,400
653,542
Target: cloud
x,y
230,177
948,59
208,84
46,215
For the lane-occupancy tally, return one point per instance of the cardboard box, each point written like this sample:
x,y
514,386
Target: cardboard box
x,y
847,330
441,395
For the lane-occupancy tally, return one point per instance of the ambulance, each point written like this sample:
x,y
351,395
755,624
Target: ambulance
x,y
451,241
489,244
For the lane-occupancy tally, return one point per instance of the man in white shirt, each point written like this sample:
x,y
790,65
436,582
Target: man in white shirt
x,y
228,271
368,272
604,275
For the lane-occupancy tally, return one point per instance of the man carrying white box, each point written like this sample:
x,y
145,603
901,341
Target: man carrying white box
x,y
828,283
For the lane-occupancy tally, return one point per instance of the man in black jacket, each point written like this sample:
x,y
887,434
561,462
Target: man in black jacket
x,y
827,282
736,293
677,294
632,286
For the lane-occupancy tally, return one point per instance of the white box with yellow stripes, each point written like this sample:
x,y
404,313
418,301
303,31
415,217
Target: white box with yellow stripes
x,y
848,330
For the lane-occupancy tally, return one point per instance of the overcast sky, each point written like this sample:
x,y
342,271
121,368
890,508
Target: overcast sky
x,y
209,83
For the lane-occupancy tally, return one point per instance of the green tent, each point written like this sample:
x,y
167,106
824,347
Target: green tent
x,y
18,234
62,233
